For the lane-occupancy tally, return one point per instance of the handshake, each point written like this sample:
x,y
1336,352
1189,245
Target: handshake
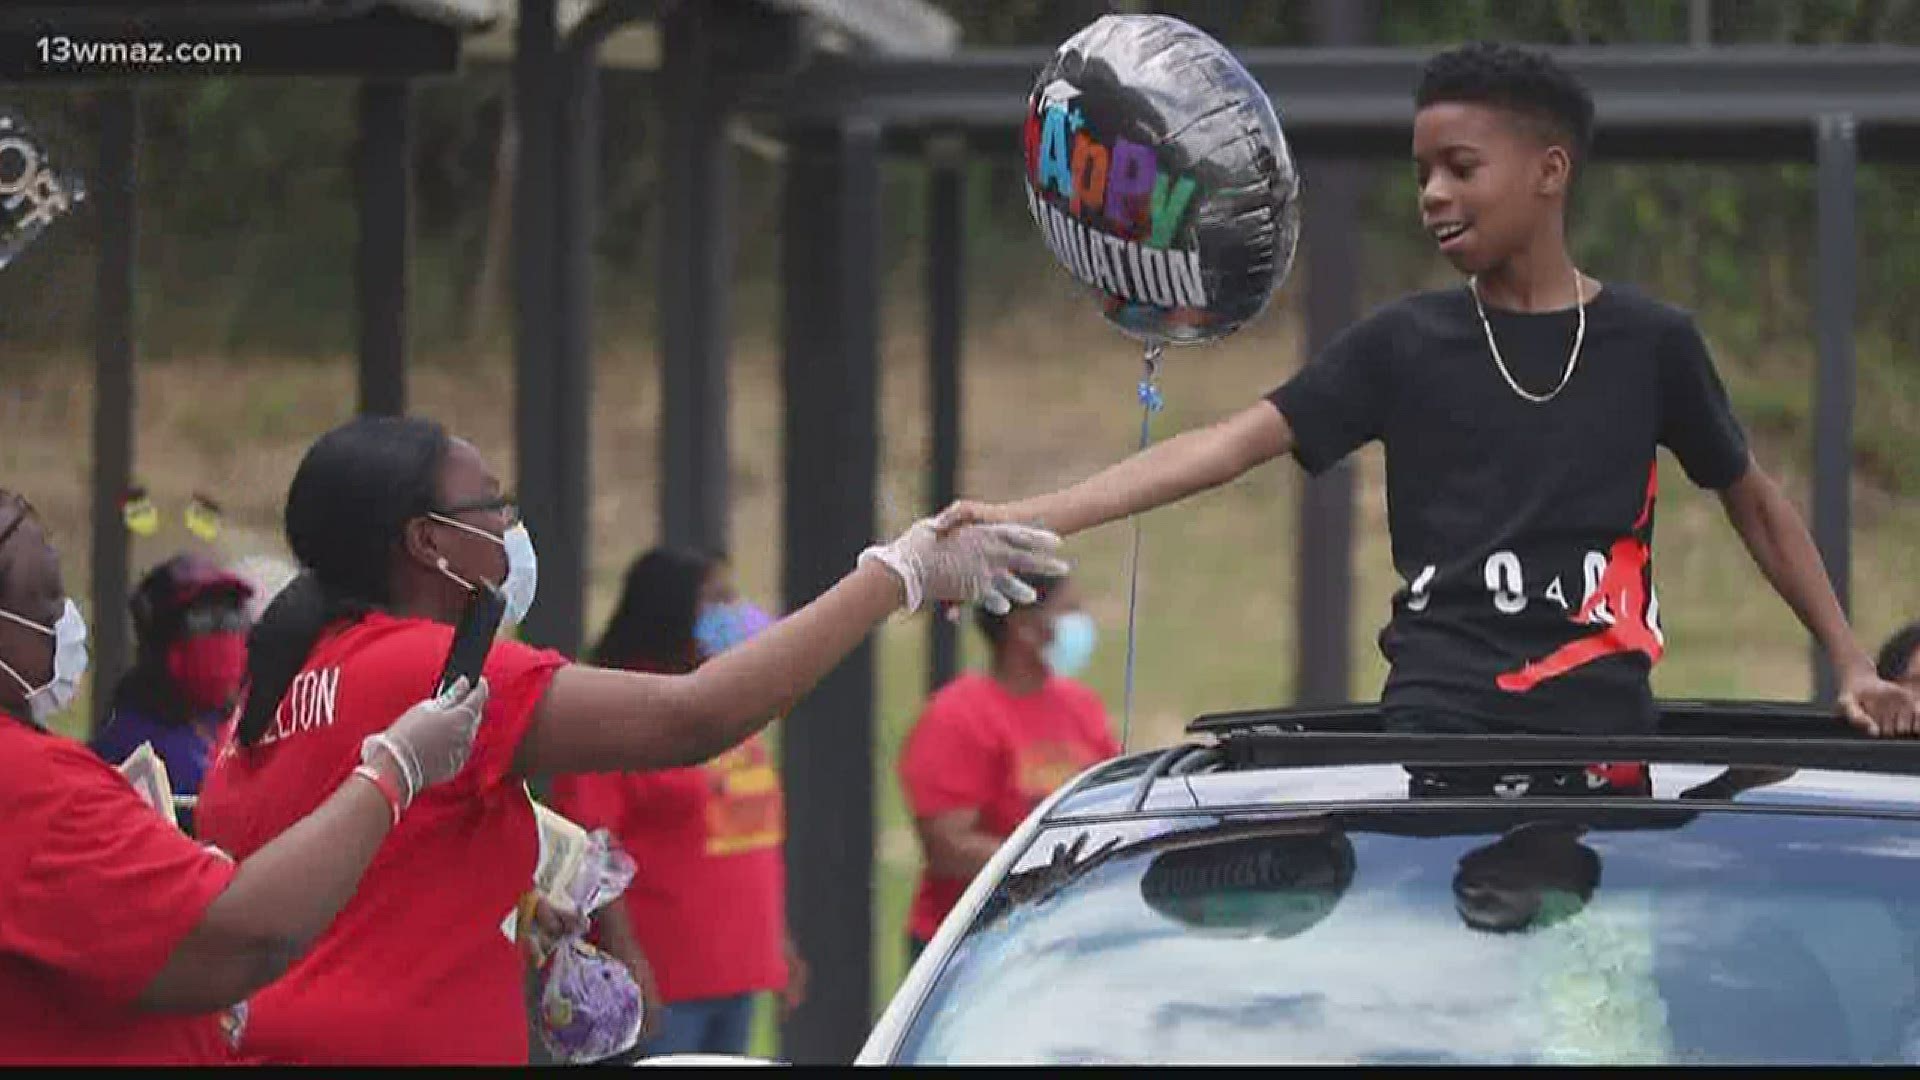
x,y
959,559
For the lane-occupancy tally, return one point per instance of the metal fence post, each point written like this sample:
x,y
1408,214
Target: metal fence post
x,y
383,169
831,265
946,305
696,276
1330,235
1835,300
535,66
113,355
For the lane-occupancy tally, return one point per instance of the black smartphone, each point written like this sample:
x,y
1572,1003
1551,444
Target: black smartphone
x,y
472,637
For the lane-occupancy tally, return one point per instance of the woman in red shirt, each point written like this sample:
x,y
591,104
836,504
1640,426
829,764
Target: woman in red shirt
x,y
394,523
990,746
708,903
121,940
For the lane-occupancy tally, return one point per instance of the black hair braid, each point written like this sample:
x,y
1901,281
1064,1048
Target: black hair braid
x,y
279,644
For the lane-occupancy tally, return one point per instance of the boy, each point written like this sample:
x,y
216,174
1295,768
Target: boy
x,y
1520,416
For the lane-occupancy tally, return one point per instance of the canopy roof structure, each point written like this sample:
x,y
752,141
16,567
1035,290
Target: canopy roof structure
x,y
1742,103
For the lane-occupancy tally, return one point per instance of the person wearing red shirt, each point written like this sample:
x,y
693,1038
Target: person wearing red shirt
x,y
990,746
708,904
190,652
394,524
122,941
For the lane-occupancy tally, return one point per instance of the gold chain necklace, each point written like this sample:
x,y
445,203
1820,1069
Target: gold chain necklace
x,y
1573,360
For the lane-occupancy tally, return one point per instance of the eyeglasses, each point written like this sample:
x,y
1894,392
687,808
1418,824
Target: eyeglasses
x,y
505,505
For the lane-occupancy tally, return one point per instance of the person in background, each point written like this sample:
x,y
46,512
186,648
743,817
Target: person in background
x,y
122,940
708,905
991,745
1899,659
190,654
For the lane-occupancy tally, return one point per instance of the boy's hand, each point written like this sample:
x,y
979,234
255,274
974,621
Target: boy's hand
x,y
1878,707
968,512
980,564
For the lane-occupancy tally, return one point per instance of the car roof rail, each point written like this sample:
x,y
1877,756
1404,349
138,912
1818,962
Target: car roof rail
x,y
1162,761
1712,732
1762,719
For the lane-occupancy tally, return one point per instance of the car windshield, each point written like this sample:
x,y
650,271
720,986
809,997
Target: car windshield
x,y
1443,936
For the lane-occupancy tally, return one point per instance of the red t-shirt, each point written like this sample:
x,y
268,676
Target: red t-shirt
x,y
96,890
709,891
979,746
420,966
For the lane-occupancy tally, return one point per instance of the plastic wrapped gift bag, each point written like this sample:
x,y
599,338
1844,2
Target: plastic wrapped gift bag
x,y
589,1005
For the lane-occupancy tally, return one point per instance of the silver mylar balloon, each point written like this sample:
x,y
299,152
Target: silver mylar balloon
x,y
1160,178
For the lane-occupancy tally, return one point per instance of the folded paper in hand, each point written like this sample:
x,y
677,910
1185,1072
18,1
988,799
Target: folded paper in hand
x,y
148,774
563,856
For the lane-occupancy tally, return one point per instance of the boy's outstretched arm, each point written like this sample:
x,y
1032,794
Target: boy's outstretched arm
x,y
1190,462
1784,550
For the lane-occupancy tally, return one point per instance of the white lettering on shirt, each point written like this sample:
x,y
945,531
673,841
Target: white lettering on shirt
x,y
308,705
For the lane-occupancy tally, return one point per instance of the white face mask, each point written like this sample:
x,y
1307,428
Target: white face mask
x,y
523,567
69,634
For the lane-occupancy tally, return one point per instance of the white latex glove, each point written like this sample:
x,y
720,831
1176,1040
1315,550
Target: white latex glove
x,y
971,564
430,742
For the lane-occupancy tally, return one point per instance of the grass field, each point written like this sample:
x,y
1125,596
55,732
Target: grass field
x,y
1049,397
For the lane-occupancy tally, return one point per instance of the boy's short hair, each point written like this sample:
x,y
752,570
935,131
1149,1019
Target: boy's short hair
x,y
994,627
1897,654
1526,82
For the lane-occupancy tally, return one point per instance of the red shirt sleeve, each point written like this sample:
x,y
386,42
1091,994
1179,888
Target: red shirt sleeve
x,y
951,761
110,888
517,678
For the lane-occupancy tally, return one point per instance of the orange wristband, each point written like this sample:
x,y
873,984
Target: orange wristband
x,y
387,788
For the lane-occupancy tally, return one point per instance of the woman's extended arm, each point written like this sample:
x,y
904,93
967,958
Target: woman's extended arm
x,y
597,720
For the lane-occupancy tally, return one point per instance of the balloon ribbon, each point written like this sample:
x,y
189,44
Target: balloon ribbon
x,y
1150,403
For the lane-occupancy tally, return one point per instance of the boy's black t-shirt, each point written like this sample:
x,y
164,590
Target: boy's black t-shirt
x,y
1522,532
